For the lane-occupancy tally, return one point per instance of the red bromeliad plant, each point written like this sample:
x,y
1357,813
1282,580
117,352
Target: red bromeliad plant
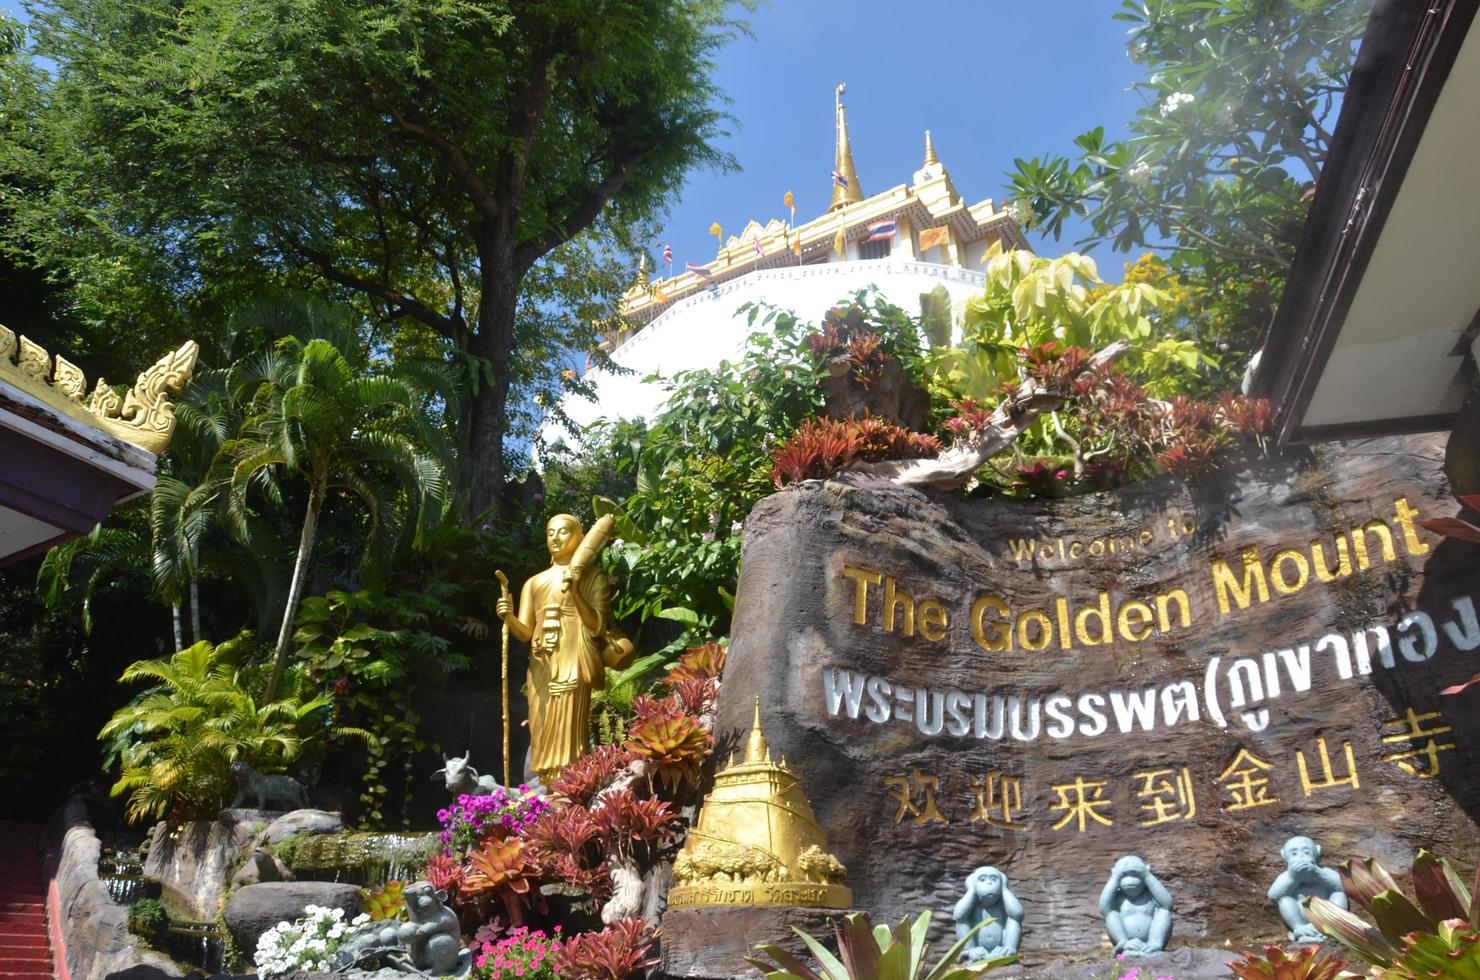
x,y
706,662
696,694
672,740
625,822
614,953
501,869
593,772
1309,963
821,447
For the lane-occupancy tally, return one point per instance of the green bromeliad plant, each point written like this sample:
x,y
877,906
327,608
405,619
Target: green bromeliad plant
x,y
1436,933
867,952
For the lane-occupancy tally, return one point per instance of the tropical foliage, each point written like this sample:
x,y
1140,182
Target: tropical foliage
x,y
869,952
1434,933
1240,98
466,171
177,739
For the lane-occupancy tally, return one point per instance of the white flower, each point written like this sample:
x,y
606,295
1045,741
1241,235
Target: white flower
x,y
1139,175
1019,211
1175,101
736,527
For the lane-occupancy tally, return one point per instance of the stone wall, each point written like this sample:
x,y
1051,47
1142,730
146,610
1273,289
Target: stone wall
x,y
89,932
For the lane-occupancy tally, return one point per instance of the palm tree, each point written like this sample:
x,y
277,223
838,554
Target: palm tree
x,y
184,505
317,411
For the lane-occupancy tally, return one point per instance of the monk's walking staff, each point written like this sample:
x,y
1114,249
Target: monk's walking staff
x,y
503,584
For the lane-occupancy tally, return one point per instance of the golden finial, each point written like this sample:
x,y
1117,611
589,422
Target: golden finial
x,y
930,157
845,177
756,750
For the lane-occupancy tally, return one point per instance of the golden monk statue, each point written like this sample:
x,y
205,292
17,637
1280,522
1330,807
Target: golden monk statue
x,y
565,615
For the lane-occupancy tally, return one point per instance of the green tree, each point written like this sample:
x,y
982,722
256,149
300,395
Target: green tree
x,y
1241,97
317,413
425,155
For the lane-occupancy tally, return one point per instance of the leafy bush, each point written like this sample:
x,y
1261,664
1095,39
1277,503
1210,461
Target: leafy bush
x,y
147,918
362,647
177,740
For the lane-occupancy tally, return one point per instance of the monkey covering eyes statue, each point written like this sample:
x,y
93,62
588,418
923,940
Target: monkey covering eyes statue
x,y
987,896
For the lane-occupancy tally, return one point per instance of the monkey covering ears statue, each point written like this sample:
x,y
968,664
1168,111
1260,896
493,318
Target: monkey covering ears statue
x,y
987,897
1137,908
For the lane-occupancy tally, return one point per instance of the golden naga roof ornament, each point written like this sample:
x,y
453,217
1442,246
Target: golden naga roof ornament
x,y
143,416
846,190
757,841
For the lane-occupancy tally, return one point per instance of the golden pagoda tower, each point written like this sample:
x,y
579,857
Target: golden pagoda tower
x,y
851,194
757,841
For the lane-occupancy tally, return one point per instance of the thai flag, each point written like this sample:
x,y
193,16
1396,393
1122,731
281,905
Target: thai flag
x,y
698,270
881,231
758,249
668,252
840,180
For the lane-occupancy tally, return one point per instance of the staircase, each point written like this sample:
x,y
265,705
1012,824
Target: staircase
x,y
24,951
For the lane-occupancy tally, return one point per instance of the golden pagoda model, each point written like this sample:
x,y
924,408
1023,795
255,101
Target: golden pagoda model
x,y
757,841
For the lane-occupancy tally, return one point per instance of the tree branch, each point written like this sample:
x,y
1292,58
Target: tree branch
x,y
483,200
447,326
527,253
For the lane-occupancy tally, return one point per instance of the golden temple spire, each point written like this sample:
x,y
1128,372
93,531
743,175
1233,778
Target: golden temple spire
x,y
930,157
845,177
756,750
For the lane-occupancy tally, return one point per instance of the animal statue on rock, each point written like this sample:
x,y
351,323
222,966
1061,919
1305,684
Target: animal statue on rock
x,y
428,943
1137,908
988,900
462,778
1303,877
267,792
431,932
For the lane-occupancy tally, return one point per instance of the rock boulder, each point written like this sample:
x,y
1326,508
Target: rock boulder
x,y
254,909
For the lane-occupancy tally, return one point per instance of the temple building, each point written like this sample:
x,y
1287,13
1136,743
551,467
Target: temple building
x,y
906,241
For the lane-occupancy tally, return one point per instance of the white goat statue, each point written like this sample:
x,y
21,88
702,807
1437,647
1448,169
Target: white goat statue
x,y
463,778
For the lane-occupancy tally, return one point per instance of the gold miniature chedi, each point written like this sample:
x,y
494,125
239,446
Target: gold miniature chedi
x,y
757,841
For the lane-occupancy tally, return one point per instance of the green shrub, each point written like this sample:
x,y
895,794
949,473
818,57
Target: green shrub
x,y
147,918
177,740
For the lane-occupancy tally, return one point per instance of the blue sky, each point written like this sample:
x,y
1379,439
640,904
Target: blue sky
x,y
991,79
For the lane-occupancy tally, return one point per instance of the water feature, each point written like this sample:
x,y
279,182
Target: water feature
x,y
362,858
121,869
196,943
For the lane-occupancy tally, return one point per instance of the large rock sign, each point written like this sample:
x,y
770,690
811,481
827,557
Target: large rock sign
x,y
1191,673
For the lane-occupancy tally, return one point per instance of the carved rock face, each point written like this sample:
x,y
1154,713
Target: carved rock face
x,y
1180,671
894,396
